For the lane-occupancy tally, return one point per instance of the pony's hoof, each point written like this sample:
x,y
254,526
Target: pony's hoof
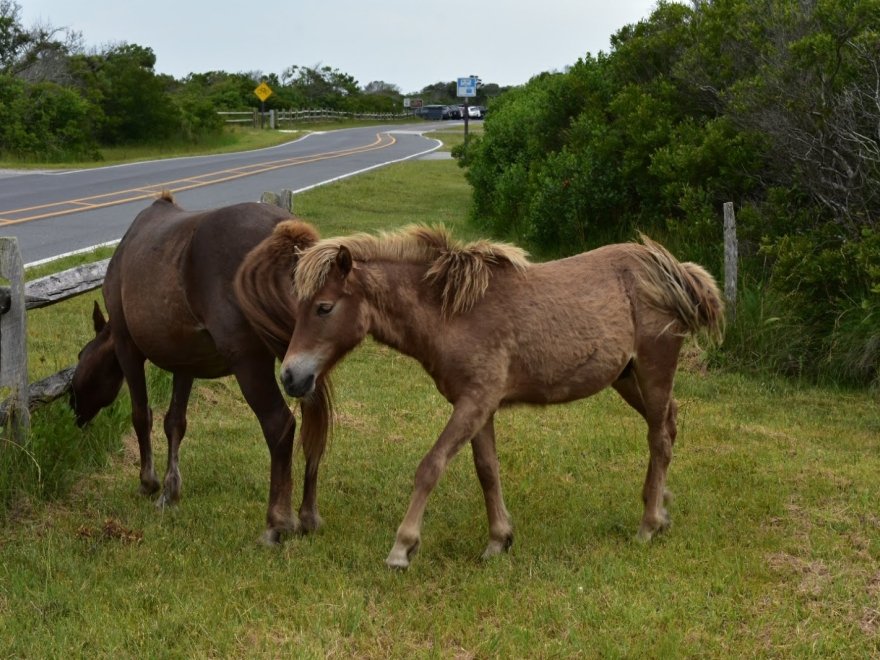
x,y
148,488
274,536
496,547
400,556
166,501
647,532
309,523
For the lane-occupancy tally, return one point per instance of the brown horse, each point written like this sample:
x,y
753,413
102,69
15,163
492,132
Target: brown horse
x,y
169,292
493,329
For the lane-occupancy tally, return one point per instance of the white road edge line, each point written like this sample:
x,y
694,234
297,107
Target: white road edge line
x,y
299,190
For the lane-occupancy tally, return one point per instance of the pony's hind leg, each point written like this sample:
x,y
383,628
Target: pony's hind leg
x,y
132,363
651,396
175,428
486,464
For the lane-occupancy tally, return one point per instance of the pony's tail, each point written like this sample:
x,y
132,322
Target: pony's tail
x,y
264,283
317,423
686,290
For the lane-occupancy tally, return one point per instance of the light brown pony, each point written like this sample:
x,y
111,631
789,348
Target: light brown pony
x,y
169,295
493,329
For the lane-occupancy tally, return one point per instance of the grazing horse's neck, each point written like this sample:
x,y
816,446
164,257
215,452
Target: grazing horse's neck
x,y
403,313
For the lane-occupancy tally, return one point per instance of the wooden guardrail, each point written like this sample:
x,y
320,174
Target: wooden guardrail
x,y
273,118
16,298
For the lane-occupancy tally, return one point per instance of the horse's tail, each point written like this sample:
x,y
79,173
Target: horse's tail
x,y
317,422
686,290
264,283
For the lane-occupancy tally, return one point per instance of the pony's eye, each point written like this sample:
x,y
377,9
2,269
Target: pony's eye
x,y
324,308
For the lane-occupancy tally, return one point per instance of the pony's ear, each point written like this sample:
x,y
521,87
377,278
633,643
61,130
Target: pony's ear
x,y
98,318
343,261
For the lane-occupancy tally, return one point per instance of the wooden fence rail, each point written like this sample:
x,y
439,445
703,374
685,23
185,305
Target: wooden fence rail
x,y
276,117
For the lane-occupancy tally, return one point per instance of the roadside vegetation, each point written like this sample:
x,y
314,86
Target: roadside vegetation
x,y
774,106
61,102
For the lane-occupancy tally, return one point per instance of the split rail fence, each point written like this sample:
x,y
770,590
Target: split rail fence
x,y
274,118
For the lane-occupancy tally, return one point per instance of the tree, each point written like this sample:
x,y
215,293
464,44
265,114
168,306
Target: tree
x,y
135,103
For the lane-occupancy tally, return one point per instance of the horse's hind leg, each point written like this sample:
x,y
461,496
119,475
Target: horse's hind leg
x,y
132,363
256,378
175,428
649,391
486,464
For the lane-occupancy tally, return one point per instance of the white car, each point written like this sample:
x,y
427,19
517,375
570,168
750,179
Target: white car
x,y
474,112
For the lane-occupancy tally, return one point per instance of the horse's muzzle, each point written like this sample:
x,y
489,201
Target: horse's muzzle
x,y
297,386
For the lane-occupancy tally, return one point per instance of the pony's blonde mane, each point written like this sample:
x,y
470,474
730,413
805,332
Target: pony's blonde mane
x,y
462,270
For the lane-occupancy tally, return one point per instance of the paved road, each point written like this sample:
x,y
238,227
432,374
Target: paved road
x,y
58,212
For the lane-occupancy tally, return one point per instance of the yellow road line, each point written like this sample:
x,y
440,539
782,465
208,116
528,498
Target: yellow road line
x,y
66,207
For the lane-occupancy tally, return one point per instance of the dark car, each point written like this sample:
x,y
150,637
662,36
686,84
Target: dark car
x,y
452,112
433,112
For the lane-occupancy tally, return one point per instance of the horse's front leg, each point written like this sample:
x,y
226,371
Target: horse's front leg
x,y
256,378
468,417
486,464
132,363
175,428
313,438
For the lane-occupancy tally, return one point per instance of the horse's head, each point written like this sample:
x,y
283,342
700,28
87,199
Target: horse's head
x,y
330,320
97,378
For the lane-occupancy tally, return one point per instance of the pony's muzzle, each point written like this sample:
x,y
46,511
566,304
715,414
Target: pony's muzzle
x,y
298,378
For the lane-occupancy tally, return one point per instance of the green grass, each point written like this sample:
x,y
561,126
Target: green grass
x,y
774,550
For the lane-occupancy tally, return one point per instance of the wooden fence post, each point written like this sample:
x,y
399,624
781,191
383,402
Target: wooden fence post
x,y
731,257
284,200
13,340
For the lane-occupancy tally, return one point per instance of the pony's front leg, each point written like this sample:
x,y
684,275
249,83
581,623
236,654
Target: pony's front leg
x,y
316,414
175,428
256,379
486,464
467,418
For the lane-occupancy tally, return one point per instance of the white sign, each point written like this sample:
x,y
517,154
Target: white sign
x,y
467,87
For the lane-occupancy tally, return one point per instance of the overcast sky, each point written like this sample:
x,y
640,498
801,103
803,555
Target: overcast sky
x,y
408,43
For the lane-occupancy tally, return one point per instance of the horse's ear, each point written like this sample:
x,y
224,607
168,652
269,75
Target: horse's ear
x,y
98,318
343,261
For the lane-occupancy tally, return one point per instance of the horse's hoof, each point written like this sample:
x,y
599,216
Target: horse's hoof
x,y
309,523
400,556
165,501
496,548
644,535
271,538
148,488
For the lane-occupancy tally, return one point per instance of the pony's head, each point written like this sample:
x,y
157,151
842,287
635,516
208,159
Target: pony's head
x,y
330,320
97,378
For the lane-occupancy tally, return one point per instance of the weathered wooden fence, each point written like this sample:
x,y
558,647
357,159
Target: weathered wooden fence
x,y
274,118
20,397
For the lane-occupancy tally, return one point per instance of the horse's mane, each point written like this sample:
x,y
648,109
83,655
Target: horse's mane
x,y
461,269
263,282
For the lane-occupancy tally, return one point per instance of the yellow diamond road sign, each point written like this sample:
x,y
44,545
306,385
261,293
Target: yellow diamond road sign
x,y
263,91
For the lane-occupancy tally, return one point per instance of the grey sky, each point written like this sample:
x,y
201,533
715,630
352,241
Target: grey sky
x,y
410,44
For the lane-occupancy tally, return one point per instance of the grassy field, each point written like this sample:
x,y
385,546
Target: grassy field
x,y
774,549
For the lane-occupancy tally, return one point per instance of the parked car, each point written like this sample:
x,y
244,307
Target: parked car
x,y
452,112
433,112
474,112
